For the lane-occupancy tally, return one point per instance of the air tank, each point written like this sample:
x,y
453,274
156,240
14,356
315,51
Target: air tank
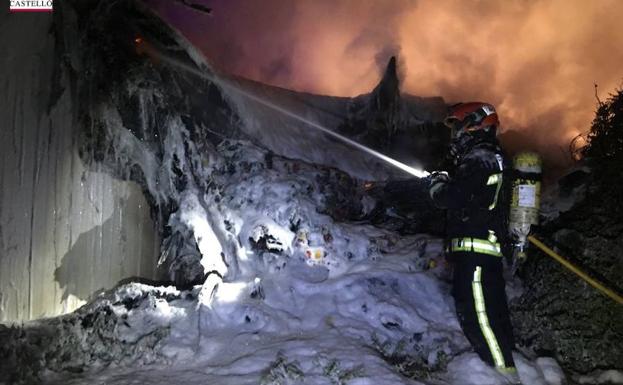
x,y
526,197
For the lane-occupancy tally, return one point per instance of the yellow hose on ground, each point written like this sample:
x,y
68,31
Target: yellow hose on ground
x,y
610,293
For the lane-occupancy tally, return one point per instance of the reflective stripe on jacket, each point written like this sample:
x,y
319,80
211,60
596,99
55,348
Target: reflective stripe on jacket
x,y
471,194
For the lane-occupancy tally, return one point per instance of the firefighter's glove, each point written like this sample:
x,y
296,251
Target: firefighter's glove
x,y
438,177
436,181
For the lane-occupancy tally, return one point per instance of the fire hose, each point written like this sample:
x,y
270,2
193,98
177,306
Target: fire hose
x,y
596,284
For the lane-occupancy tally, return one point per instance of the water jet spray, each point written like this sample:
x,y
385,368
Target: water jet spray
x,y
225,83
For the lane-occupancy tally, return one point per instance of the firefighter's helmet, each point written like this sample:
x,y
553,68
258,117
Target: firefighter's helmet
x,y
472,116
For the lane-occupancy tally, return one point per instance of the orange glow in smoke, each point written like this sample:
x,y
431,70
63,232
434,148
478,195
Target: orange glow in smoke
x,y
536,61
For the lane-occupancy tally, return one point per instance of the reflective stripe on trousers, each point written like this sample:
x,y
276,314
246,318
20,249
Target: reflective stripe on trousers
x,y
483,320
483,246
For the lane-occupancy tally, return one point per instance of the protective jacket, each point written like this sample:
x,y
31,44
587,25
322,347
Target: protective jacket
x,y
471,196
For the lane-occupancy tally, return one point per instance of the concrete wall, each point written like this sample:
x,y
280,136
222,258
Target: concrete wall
x,y
65,232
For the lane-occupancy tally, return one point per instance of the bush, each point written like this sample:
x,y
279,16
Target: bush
x,y
603,152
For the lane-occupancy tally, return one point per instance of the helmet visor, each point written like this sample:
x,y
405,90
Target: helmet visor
x,y
474,120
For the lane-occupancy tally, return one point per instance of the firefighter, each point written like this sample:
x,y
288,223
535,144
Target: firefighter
x,y
471,194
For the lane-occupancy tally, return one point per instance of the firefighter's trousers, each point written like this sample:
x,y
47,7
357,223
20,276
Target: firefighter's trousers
x,y
482,308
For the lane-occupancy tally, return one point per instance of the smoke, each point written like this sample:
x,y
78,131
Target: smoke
x,y
537,61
